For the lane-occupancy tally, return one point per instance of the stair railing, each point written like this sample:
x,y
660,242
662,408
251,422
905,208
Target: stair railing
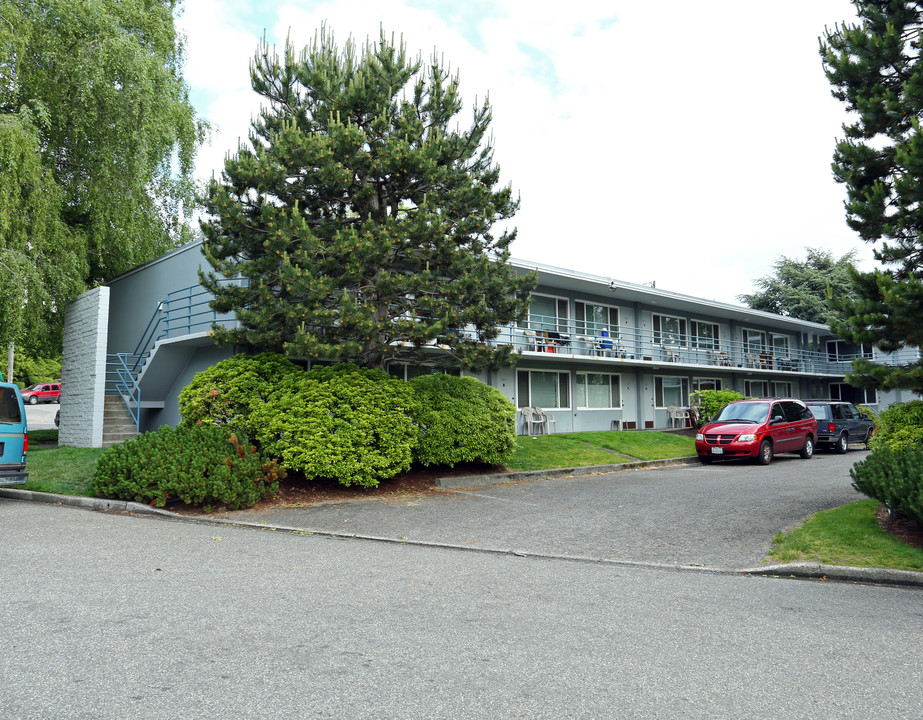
x,y
122,366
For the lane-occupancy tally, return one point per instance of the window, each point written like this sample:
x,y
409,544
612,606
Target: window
x,y
548,313
857,396
542,389
406,372
706,384
756,388
704,335
671,391
598,390
780,346
841,350
754,341
669,330
782,389
596,320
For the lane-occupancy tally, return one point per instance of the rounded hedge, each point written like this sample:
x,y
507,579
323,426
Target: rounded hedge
x,y
202,465
225,393
900,426
349,424
461,419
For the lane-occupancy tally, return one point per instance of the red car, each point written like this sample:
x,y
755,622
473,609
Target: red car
x,y
758,429
43,392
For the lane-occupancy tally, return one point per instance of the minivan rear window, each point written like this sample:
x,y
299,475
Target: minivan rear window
x,y
10,413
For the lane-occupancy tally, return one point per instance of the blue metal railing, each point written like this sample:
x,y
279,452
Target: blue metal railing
x,y
121,377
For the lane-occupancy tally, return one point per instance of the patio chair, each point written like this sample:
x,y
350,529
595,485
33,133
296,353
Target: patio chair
x,y
678,414
546,419
531,420
531,339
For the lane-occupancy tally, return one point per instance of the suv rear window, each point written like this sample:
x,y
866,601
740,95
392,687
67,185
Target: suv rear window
x,y
9,407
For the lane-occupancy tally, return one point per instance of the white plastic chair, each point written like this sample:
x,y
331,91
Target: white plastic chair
x,y
545,419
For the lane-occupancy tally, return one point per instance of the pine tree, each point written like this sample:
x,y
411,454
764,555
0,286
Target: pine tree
x,y
875,70
359,218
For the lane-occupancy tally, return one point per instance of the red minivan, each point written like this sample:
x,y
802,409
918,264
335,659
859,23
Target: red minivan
x,y
758,429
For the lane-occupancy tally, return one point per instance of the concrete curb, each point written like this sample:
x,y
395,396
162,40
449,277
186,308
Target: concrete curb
x,y
806,571
99,504
466,481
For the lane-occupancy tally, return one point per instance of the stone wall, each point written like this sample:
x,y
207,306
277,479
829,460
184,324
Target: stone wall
x,y
83,369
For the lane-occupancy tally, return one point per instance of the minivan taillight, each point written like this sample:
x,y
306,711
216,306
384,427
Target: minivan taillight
x,y
25,443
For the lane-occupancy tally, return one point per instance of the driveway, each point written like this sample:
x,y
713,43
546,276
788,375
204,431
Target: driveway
x,y
721,515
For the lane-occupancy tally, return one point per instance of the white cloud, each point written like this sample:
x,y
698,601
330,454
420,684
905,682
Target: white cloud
x,y
687,143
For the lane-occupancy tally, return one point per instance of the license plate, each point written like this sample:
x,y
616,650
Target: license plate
x,y
717,451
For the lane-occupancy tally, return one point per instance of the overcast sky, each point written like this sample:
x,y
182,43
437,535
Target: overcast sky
x,y
677,142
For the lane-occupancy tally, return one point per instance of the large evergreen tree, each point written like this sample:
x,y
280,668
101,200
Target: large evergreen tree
x,y
360,218
803,288
97,140
874,68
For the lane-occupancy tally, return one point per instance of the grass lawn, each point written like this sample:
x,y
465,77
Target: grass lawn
x,y
65,470
847,535
544,452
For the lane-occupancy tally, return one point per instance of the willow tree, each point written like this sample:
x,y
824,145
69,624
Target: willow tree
x,y
360,217
97,141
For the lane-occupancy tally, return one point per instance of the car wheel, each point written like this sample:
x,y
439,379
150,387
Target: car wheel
x,y
842,444
807,452
33,400
765,456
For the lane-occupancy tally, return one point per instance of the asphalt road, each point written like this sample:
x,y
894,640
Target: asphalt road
x,y
108,616
41,416
720,515
116,616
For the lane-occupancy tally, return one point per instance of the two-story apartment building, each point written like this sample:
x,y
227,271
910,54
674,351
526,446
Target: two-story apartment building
x,y
596,352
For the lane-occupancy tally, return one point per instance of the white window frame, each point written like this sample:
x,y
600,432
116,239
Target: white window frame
x,y
696,341
748,388
780,351
560,319
590,327
680,338
781,388
745,338
659,391
562,387
697,383
615,381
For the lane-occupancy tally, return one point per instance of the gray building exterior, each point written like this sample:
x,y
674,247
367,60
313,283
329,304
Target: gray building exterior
x,y
597,353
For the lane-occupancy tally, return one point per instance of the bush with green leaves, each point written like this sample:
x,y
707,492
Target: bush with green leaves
x,y
226,393
899,427
29,370
349,424
894,478
709,402
461,419
201,465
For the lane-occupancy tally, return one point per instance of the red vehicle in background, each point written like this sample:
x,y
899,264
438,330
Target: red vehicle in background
x,y
42,393
758,429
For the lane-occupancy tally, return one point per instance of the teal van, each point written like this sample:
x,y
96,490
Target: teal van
x,y
14,436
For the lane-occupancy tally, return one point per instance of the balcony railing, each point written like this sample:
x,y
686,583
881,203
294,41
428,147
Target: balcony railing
x,y
186,311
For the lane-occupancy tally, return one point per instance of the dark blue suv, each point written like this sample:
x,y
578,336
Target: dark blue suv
x,y
839,424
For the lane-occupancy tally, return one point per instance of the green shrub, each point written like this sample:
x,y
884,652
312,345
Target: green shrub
x,y
462,420
201,465
345,423
225,393
894,478
899,427
709,402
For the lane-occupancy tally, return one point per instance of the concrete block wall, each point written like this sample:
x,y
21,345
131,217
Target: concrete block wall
x,y
83,369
